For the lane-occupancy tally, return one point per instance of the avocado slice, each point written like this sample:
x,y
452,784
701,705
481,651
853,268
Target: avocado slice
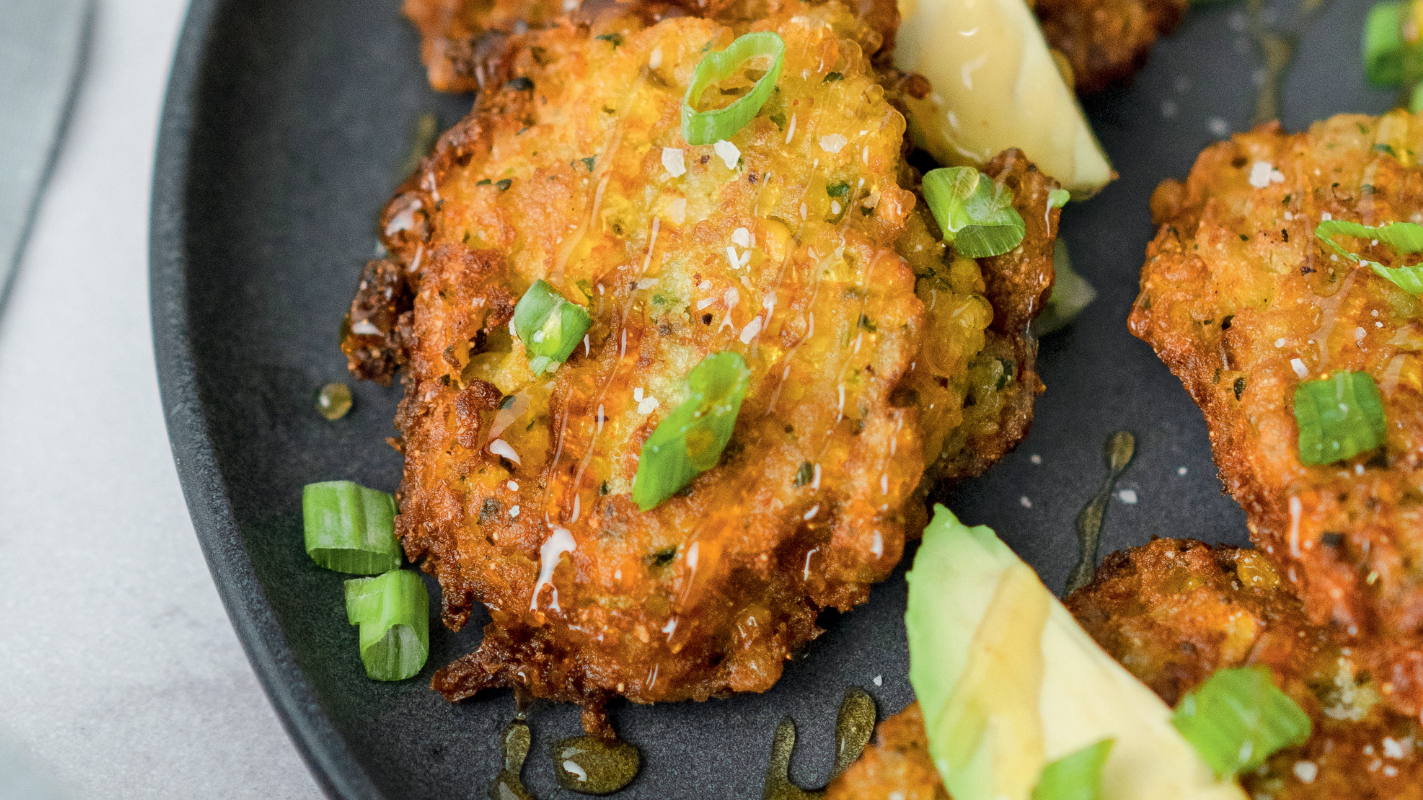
x,y
1009,682
996,85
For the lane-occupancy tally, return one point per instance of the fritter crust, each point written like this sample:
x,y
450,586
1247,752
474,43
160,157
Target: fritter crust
x,y
561,174
1242,302
1175,611
976,406
458,36
1107,41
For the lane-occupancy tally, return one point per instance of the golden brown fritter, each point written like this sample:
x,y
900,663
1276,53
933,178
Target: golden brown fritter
x,y
977,404
1243,302
458,37
1175,611
1106,41
789,244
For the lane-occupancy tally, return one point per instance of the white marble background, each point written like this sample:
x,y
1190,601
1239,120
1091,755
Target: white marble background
x,y
120,676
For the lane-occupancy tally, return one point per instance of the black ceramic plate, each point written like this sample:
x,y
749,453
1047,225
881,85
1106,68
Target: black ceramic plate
x,y
286,126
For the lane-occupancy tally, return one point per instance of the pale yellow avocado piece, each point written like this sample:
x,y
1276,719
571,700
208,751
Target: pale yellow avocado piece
x,y
996,86
1009,682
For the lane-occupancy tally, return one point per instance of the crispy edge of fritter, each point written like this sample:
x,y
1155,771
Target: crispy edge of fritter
x,y
1017,285
1176,610
459,37
1173,612
1107,41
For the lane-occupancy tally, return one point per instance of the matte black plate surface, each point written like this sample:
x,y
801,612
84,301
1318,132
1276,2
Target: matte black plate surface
x,y
285,130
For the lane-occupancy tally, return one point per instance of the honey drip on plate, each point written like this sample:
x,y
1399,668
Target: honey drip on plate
x,y
1120,449
853,726
1278,47
590,765
334,401
508,785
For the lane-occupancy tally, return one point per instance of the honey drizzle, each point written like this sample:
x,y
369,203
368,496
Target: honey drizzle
x,y
853,727
1121,447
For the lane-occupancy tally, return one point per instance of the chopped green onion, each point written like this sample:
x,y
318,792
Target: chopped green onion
x,y
549,326
975,213
349,528
689,441
1406,238
393,611
1057,198
1383,44
1070,294
1238,718
707,127
1075,777
1339,417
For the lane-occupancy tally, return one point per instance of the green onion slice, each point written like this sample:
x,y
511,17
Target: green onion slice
x,y
975,213
350,528
549,326
689,441
1406,238
1238,718
393,611
1339,417
1057,198
707,127
1075,777
1383,44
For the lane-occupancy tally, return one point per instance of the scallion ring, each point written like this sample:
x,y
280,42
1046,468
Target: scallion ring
x,y
349,528
1339,417
975,213
1406,238
1077,776
393,612
549,326
707,127
690,440
1238,718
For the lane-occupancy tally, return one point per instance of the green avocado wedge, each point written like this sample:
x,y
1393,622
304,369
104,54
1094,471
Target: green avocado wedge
x,y
1009,682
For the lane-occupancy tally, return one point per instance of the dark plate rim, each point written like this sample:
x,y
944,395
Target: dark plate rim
x,y
325,752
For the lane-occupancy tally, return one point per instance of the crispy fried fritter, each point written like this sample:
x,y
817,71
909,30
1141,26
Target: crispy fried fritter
x,y
779,245
1243,302
1175,611
458,36
975,391
1106,41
